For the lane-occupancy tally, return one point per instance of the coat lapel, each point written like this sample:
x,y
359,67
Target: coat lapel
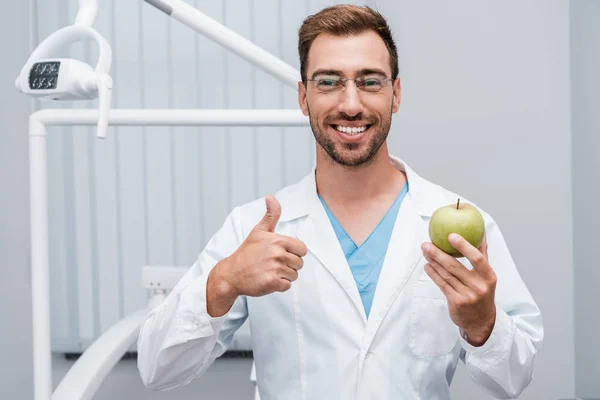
x,y
319,236
403,254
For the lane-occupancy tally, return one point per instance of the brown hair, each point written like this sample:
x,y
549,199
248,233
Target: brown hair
x,y
344,20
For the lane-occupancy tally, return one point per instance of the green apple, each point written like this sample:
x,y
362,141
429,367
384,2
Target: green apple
x,y
463,219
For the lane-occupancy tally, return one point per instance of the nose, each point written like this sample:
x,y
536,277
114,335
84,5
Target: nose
x,y
350,101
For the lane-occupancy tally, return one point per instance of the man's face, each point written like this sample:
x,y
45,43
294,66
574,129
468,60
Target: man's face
x,y
338,118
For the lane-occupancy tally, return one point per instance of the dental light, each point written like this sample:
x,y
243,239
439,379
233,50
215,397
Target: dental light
x,y
65,79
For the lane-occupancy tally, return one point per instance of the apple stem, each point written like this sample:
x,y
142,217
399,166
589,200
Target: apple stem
x,y
457,203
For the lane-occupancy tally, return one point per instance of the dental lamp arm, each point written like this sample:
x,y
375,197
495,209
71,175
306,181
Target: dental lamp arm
x,y
229,39
104,84
87,12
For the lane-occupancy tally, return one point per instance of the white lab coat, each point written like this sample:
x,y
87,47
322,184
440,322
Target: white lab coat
x,y
314,341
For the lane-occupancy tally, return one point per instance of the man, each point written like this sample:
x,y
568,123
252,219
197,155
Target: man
x,y
346,297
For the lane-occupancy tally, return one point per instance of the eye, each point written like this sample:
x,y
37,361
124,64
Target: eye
x,y
372,83
326,82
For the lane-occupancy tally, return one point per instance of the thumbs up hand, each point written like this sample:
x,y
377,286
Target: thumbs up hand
x,y
266,262
272,215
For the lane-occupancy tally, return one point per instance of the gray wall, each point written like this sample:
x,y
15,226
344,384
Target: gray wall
x,y
485,112
16,378
585,122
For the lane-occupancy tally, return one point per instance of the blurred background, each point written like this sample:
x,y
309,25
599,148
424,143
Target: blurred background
x,y
500,103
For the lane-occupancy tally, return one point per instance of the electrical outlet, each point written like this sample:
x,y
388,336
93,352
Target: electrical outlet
x,y
162,277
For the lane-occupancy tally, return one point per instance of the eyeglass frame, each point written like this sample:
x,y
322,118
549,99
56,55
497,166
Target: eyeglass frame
x,y
356,80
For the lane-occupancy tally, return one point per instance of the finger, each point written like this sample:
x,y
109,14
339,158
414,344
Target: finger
x,y
452,280
284,285
439,281
288,273
293,261
271,217
294,246
449,263
477,259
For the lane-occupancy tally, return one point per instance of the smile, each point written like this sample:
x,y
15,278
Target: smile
x,y
350,130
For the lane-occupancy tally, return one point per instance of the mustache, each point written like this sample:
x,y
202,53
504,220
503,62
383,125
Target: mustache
x,y
346,117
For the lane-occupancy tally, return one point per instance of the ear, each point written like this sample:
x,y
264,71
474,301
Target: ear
x,y
302,98
396,96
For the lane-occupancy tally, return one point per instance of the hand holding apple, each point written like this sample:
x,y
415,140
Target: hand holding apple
x,y
470,293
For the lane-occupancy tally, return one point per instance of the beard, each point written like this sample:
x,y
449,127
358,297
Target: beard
x,y
352,155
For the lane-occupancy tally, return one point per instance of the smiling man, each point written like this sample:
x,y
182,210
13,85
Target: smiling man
x,y
345,294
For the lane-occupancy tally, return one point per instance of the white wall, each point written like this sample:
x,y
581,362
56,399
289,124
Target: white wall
x,y
585,122
486,112
16,376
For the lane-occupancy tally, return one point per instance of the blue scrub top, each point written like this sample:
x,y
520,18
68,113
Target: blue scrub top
x,y
366,261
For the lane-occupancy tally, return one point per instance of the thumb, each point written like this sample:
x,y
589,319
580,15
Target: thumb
x,y
269,221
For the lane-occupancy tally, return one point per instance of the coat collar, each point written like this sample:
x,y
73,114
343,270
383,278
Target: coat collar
x,y
300,200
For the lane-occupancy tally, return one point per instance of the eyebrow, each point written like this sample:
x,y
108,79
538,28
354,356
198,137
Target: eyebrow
x,y
364,71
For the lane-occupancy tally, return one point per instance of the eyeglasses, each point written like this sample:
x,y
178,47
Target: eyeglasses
x,y
334,83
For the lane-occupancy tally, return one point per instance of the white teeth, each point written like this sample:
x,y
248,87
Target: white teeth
x,y
351,130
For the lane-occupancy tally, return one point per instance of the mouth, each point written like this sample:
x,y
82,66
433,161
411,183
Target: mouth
x,y
351,133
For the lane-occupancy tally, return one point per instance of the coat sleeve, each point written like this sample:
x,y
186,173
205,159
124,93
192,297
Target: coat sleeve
x,y
504,365
179,340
